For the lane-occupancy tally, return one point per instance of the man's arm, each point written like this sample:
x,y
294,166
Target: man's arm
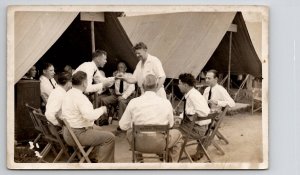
x,y
200,105
52,108
87,110
130,89
126,119
161,81
226,99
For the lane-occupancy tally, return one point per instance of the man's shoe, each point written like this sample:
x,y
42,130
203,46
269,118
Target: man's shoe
x,y
196,157
103,122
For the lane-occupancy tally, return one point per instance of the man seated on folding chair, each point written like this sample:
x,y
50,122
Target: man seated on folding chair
x,y
78,111
194,103
151,109
215,94
53,107
122,93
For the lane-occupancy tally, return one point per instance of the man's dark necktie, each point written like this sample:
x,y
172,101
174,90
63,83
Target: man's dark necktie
x,y
121,89
93,82
209,97
184,105
52,84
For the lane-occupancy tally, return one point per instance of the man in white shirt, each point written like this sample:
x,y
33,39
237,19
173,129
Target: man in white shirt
x,y
148,64
53,107
96,82
80,114
194,103
47,83
216,95
122,93
149,109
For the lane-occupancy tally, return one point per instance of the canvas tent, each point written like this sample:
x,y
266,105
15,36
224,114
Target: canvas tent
x,y
63,38
193,41
184,42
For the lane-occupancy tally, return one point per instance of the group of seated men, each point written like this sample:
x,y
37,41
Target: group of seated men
x,y
69,100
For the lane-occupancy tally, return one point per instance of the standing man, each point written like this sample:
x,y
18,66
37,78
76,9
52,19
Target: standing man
x,y
216,95
148,64
194,103
95,81
150,109
80,114
53,107
48,82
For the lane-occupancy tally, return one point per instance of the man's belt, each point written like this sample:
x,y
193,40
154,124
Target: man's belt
x,y
84,128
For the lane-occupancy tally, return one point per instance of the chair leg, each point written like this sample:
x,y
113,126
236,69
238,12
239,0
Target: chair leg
x,y
182,149
58,156
221,137
45,152
73,155
205,152
188,155
218,147
37,139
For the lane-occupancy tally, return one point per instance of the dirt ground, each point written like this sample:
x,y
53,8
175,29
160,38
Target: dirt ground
x,y
243,131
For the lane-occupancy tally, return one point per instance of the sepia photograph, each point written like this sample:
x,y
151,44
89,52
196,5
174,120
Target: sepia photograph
x,y
137,87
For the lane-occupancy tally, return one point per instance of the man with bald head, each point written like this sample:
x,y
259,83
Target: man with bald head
x,y
151,109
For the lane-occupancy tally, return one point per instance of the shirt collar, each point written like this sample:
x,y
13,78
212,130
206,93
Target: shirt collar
x,y
60,88
77,90
94,64
151,93
187,94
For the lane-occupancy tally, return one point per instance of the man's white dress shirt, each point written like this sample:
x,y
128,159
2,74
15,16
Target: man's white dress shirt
x,y
151,66
91,69
220,94
196,103
128,88
147,109
53,107
78,110
46,86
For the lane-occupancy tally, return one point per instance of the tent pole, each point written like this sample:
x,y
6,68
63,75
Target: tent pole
x,y
93,36
229,62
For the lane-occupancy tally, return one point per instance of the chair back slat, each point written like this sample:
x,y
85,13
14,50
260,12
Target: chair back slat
x,y
137,130
33,119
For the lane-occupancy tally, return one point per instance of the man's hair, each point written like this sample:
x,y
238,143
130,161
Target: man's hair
x,y
63,78
46,65
68,68
122,62
140,45
98,53
215,72
188,79
149,82
78,78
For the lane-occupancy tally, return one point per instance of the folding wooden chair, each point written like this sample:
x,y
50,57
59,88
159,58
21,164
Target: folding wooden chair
x,y
140,135
35,123
203,141
79,149
51,135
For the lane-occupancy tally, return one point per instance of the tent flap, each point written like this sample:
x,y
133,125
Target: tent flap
x,y
35,33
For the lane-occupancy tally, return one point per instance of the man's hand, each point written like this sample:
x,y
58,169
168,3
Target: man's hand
x,y
120,76
120,98
104,108
213,102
